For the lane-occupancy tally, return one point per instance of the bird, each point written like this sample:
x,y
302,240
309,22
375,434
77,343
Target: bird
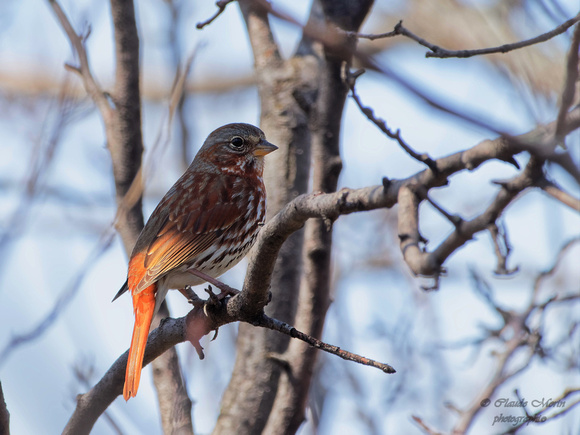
x,y
207,221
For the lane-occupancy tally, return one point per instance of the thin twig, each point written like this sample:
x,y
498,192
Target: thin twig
x,y
502,249
221,7
438,52
284,328
556,192
382,125
549,272
41,160
77,42
277,325
456,220
424,426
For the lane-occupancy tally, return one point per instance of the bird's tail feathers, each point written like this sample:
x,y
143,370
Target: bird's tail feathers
x,y
144,307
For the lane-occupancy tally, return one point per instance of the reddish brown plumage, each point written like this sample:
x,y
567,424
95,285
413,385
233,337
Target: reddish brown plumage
x,y
208,221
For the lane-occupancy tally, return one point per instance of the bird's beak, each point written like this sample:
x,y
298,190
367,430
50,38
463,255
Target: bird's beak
x,y
263,148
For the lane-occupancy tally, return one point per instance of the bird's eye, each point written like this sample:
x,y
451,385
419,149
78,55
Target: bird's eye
x,y
237,142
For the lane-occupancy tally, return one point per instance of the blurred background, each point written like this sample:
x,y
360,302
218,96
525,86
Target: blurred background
x,y
60,266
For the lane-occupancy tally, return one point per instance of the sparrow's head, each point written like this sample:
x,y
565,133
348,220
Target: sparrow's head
x,y
235,148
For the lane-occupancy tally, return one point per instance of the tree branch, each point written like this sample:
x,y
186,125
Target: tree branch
x,y
382,125
221,4
197,323
84,70
539,416
556,192
438,52
502,249
325,116
287,89
93,403
284,328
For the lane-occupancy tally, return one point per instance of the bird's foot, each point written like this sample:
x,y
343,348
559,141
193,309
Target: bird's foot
x,y
225,291
213,301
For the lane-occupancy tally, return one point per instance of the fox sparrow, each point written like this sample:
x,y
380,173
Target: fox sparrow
x,y
207,221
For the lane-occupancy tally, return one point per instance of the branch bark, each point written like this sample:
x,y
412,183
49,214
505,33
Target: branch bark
x,y
442,53
326,113
198,322
285,87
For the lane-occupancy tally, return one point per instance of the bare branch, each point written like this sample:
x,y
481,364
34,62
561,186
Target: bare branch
x,y
221,4
504,197
41,160
93,403
197,323
284,328
293,216
549,272
545,150
502,249
438,52
500,375
456,220
424,426
382,125
77,42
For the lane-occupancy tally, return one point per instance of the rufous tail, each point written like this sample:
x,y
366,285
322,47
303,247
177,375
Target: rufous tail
x,y
144,307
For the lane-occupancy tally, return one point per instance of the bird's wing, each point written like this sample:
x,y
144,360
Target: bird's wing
x,y
191,227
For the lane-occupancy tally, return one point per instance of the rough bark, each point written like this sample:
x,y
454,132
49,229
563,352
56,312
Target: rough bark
x,y
314,295
283,85
124,140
